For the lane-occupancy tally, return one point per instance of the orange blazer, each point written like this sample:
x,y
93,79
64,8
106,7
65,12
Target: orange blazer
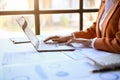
x,y
109,38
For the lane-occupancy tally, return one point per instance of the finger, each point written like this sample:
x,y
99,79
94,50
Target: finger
x,y
69,42
50,38
46,39
57,40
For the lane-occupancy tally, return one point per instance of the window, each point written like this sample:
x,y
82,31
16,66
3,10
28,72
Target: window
x,y
47,16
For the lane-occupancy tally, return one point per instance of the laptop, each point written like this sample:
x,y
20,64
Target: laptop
x,y
38,44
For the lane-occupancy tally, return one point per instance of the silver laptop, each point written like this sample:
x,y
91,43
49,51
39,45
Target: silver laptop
x,y
39,44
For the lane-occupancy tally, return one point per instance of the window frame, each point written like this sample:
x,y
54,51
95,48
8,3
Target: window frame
x,y
36,12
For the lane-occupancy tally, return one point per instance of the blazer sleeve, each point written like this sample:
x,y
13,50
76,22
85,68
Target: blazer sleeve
x,y
89,33
109,44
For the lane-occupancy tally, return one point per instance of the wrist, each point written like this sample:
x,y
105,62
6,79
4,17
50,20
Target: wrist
x,y
70,36
89,43
92,43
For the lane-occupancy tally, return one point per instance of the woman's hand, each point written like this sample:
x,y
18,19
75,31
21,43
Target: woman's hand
x,y
57,39
85,42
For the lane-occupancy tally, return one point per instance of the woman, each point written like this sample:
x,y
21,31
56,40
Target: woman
x,y
104,34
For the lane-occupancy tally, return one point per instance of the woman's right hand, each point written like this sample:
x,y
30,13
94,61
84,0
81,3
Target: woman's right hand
x,y
58,39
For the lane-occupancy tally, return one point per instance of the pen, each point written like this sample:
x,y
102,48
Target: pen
x,y
107,69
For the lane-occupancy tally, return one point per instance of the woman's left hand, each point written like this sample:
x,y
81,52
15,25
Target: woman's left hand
x,y
85,42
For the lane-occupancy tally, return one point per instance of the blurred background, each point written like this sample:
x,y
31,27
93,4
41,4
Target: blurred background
x,y
47,17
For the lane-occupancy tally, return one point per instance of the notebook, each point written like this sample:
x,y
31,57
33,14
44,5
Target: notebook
x,y
106,61
38,44
102,58
96,57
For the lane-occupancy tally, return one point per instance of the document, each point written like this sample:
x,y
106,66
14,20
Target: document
x,y
31,57
59,70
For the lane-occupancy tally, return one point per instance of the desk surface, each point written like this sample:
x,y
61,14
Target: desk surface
x,y
23,62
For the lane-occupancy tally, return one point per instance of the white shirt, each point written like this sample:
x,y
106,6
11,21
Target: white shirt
x,y
108,6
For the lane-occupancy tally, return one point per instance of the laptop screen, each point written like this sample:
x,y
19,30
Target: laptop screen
x,y
32,37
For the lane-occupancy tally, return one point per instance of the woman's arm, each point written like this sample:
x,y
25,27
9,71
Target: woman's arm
x,y
89,33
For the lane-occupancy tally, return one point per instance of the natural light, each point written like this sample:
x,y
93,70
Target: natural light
x,y
68,22
16,4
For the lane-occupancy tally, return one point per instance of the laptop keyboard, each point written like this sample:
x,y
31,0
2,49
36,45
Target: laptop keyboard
x,y
44,45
